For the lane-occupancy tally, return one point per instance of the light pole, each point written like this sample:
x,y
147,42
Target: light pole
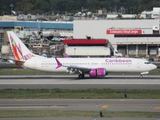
x,y
159,21
74,51
11,8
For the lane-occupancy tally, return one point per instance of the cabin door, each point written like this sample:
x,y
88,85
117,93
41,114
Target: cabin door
x,y
138,65
34,65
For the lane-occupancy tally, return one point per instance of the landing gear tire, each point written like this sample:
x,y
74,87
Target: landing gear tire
x,y
81,76
141,76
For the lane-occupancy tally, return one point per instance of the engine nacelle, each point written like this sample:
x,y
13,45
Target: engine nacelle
x,y
97,72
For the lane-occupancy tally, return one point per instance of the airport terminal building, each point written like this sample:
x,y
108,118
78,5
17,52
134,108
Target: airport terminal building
x,y
133,38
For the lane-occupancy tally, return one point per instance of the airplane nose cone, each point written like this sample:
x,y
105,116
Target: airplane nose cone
x,y
154,67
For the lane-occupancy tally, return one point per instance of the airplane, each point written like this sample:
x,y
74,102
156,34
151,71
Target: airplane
x,y
94,67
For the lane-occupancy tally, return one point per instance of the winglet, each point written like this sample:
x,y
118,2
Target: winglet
x,y
58,63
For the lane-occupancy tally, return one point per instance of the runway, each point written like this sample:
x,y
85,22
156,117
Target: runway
x,y
72,82
151,105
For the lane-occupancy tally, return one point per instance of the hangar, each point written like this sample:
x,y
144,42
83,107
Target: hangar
x,y
133,38
86,47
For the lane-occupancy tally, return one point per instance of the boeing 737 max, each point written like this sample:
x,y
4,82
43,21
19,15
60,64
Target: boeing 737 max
x,y
95,67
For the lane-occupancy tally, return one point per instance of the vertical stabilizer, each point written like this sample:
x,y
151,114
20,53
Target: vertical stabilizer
x,y
19,50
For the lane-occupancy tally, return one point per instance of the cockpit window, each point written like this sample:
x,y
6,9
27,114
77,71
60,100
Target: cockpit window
x,y
147,62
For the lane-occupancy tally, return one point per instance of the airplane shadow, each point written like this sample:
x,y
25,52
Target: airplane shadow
x,y
115,78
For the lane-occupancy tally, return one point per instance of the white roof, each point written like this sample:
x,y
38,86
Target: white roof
x,y
156,9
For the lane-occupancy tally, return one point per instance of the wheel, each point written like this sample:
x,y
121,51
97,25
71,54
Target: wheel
x,y
81,76
141,76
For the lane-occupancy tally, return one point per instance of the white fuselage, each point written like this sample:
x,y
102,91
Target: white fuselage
x,y
110,64
95,67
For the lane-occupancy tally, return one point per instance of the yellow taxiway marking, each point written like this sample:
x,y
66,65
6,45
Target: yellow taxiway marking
x,y
19,100
104,106
157,107
122,99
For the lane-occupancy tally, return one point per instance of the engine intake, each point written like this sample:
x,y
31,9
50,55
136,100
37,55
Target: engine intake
x,y
97,72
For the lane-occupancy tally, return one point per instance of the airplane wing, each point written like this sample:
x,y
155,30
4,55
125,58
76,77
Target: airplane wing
x,y
71,68
77,69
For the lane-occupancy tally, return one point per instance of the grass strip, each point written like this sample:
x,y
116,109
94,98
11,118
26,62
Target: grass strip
x,y
70,113
92,93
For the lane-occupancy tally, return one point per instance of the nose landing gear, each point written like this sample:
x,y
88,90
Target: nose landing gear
x,y
143,73
140,76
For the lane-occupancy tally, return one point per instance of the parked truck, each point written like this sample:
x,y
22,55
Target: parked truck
x,y
90,51
5,51
117,54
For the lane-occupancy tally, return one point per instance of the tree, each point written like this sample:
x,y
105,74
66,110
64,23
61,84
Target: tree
x,y
62,6
25,6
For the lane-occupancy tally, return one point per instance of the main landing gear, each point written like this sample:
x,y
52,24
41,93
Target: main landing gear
x,y
140,76
81,76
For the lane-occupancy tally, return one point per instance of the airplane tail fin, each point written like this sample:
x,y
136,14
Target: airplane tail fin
x,y
19,50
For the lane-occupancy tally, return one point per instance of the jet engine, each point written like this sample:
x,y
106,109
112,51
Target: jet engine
x,y
97,72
